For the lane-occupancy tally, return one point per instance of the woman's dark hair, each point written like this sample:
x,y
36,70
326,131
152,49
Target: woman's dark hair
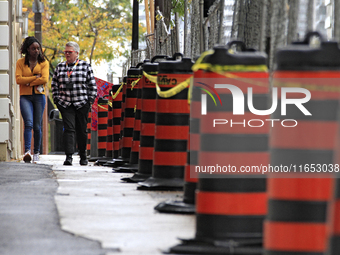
x,y
24,49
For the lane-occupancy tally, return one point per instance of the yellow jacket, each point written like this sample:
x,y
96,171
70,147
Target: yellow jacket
x,y
24,75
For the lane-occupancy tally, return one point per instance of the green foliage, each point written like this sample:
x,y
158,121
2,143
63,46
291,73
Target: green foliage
x,y
178,6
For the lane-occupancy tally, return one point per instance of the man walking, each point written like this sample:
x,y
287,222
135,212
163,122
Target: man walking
x,y
74,90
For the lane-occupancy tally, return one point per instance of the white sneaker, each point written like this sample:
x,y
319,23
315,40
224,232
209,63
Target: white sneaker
x,y
36,157
27,157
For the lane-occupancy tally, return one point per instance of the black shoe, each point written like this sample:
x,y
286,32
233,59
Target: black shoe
x,y
83,159
83,162
68,160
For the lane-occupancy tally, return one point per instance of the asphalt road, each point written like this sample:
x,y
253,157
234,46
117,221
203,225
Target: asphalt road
x,y
29,222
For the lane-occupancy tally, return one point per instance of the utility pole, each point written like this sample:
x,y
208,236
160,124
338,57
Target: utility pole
x,y
135,32
135,25
38,9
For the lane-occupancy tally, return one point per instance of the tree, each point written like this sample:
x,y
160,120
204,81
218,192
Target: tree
x,y
247,22
293,13
101,28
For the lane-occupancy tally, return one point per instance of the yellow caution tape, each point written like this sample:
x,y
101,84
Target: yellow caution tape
x,y
231,68
195,67
173,91
190,89
152,78
117,92
134,83
102,106
159,17
226,69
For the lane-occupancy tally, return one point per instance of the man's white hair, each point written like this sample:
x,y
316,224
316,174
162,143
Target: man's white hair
x,y
74,45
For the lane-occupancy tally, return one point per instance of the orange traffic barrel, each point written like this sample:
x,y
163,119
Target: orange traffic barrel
x,y
148,119
133,75
89,128
172,126
102,125
230,134
136,129
305,133
230,205
117,94
122,117
113,130
109,137
303,139
132,165
187,204
126,121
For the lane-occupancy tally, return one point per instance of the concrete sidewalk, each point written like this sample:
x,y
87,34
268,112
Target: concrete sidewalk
x,y
94,203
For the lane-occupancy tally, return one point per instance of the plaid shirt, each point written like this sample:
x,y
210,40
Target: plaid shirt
x,y
84,85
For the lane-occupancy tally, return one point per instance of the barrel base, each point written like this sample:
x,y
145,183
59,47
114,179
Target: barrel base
x,y
109,163
174,184
175,206
127,168
194,246
137,177
117,162
94,159
101,161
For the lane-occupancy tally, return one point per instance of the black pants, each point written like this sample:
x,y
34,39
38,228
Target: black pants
x,y
75,122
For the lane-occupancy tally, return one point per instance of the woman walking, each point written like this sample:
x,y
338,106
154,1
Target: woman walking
x,y
32,73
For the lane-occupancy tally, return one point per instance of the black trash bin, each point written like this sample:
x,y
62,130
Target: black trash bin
x,y
56,131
